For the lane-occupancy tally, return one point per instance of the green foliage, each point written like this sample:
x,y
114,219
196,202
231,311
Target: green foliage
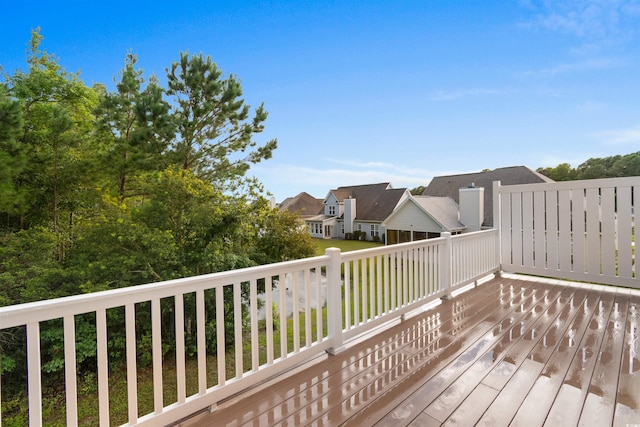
x,y
282,237
12,154
418,190
606,167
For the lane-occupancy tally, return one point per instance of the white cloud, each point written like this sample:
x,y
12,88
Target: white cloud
x,y
443,95
592,107
620,136
590,65
597,22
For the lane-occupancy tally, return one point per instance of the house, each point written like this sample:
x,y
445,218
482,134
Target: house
x,y
348,212
425,217
448,186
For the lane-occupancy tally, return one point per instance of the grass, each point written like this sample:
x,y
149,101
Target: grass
x,y
343,245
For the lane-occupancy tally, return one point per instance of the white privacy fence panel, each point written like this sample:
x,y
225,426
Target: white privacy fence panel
x,y
579,230
233,330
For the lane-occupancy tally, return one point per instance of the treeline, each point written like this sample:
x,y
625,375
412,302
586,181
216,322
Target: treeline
x,y
105,189
606,167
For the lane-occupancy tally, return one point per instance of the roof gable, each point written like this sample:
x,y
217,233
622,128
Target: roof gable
x,y
303,204
426,212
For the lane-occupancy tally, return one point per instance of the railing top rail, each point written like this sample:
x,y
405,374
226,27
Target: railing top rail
x,y
353,255
474,234
571,185
39,311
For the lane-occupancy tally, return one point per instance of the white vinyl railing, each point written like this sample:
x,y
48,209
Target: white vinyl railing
x,y
579,230
307,307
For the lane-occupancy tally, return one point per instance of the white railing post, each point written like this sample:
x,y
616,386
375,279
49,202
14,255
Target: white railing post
x,y
497,221
34,386
445,267
334,301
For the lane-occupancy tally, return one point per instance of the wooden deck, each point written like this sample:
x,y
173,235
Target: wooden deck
x,y
513,351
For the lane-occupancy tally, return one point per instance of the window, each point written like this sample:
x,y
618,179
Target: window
x,y
332,210
375,230
315,228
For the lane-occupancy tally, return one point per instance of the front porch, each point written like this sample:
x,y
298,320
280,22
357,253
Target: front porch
x,y
515,350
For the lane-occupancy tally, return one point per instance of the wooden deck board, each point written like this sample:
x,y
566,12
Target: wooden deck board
x,y
509,351
627,410
600,401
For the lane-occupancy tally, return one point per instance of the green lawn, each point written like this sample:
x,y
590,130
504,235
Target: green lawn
x,y
343,245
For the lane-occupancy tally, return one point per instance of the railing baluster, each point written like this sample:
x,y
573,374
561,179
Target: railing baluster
x,y
70,376
319,328
180,352
405,277
296,311
282,285
220,336
371,286
379,284
392,275
347,296
156,343
35,380
202,342
237,320
253,303
307,307
268,302
132,375
356,294
103,366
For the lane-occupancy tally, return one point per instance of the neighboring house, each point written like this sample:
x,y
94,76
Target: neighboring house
x,y
360,210
347,212
426,217
448,186
422,217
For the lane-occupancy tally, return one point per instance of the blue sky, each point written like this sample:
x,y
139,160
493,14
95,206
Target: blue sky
x,y
373,91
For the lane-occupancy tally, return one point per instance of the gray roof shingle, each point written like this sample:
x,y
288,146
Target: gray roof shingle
x,y
442,209
374,202
449,186
303,204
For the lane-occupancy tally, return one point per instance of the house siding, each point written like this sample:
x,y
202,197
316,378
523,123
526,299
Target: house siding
x,y
332,201
411,217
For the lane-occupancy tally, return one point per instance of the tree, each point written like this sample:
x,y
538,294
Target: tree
x,y
136,124
418,190
562,172
215,132
12,153
57,112
281,237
